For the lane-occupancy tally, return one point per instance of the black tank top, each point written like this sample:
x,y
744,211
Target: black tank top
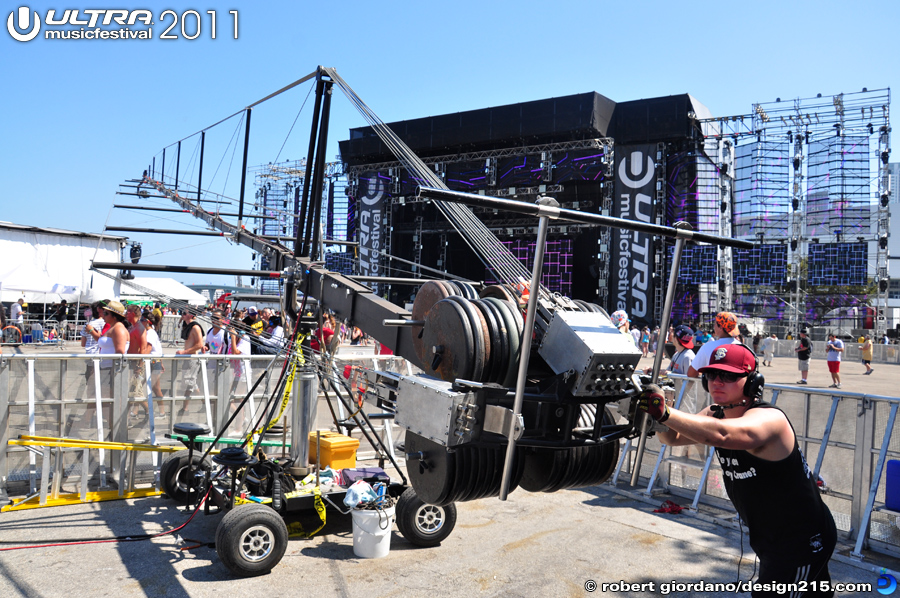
x,y
779,502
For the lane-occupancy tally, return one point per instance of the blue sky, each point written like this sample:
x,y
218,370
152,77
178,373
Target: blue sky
x,y
78,117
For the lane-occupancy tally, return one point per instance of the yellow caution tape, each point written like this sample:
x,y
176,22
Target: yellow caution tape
x,y
295,528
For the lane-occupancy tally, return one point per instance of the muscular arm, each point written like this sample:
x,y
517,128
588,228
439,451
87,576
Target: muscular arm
x,y
762,432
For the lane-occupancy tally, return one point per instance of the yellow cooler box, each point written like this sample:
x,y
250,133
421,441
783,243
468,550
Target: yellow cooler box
x,y
338,451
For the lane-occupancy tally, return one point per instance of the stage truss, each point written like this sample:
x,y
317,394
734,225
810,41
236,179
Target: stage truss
x,y
810,175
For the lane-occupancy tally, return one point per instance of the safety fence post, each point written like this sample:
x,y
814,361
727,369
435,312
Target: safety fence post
x,y
863,527
4,427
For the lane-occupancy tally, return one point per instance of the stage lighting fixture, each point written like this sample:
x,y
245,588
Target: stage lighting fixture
x,y
883,285
790,137
837,129
723,207
807,135
795,203
796,164
794,243
871,129
885,199
882,241
135,252
815,239
885,156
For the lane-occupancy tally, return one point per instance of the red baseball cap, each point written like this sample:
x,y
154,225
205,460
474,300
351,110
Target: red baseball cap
x,y
734,358
685,336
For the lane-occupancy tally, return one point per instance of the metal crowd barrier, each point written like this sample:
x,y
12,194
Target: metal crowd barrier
x,y
85,397
846,437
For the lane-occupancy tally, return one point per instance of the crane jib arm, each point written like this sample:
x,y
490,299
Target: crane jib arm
x,y
350,301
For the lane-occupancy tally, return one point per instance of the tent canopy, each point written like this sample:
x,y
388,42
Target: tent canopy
x,y
158,289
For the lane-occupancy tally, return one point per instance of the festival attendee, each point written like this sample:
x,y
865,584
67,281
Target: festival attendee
x,y
272,342
156,365
725,329
620,320
835,348
645,340
90,335
803,351
683,338
61,315
137,345
192,333
257,324
114,341
768,347
17,315
865,352
766,475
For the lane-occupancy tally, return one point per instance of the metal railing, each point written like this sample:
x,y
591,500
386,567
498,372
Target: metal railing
x,y
847,438
89,398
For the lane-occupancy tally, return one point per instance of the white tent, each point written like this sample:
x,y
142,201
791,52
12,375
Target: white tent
x,y
47,265
159,289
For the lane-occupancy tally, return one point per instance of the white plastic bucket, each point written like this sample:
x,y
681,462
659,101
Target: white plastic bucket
x,y
372,532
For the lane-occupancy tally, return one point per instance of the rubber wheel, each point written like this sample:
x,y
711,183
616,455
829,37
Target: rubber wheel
x,y
173,476
251,539
423,524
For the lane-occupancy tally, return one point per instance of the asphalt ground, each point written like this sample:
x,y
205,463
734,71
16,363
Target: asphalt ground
x,y
530,545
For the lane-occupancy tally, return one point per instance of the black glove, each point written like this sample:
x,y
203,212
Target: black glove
x,y
653,401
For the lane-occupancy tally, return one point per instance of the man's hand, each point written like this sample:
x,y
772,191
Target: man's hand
x,y
653,401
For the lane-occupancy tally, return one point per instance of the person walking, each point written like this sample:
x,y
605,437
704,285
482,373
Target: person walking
x,y
835,348
768,345
803,351
645,340
766,475
866,353
192,333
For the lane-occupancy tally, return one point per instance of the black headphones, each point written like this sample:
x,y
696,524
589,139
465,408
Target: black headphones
x,y
753,387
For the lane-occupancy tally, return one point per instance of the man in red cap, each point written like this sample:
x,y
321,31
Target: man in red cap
x,y
765,473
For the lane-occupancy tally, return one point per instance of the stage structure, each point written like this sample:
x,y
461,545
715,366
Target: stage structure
x,y
808,180
278,188
561,147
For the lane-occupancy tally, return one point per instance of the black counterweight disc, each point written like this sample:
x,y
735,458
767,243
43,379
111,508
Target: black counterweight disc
x,y
496,356
514,335
485,473
499,292
503,361
450,343
429,293
479,336
452,287
433,476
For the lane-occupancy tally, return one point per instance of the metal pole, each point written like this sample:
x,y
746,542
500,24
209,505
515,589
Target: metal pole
x,y
663,329
244,167
527,334
177,165
319,175
299,248
200,169
303,415
162,175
